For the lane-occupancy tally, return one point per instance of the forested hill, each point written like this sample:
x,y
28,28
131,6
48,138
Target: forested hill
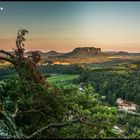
x,y
116,81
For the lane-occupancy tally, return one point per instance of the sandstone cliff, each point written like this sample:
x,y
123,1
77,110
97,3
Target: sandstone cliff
x,y
83,52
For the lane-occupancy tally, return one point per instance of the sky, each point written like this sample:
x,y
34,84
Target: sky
x,y
63,26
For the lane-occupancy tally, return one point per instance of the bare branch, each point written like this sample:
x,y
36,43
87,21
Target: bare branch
x,y
10,123
7,53
82,119
53,125
8,60
16,111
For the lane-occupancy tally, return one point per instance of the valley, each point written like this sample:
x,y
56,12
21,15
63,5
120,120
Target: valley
x,y
69,70
110,75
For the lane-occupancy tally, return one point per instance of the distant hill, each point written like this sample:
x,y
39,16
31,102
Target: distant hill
x,y
115,52
53,53
110,52
83,52
45,54
79,53
122,52
29,52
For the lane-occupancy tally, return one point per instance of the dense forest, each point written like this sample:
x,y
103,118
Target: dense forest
x,y
33,107
114,83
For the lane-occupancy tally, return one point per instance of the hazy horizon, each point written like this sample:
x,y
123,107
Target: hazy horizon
x,y
44,51
63,26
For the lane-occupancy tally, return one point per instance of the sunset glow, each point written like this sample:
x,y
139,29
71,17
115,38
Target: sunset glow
x,y
63,26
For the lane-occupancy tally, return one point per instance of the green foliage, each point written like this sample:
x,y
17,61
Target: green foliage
x,y
40,105
62,69
30,107
113,84
86,104
130,125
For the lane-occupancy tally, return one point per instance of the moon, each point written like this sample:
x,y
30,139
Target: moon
x,y
1,8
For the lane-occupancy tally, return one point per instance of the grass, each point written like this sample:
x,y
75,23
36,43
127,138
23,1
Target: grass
x,y
62,79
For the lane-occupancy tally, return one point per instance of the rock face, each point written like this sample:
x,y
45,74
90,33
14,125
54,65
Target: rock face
x,y
91,51
83,52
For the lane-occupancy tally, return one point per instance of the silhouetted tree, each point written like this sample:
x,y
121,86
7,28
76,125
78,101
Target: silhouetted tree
x,y
27,68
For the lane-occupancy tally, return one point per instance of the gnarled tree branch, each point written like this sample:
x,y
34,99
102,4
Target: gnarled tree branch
x,y
8,60
10,123
82,119
52,125
7,53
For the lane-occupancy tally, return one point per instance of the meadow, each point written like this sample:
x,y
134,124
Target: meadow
x,y
64,80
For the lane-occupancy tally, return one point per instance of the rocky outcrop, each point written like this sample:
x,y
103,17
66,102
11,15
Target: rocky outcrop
x,y
88,50
83,52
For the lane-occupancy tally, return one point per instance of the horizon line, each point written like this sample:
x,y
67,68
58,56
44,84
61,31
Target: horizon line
x,y
45,51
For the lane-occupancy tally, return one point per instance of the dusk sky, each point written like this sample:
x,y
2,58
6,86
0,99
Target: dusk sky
x,y
63,26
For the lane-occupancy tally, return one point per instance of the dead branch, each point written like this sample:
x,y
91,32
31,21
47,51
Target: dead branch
x,y
8,60
7,53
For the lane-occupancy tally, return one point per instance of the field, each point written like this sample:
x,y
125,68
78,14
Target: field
x,y
62,79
